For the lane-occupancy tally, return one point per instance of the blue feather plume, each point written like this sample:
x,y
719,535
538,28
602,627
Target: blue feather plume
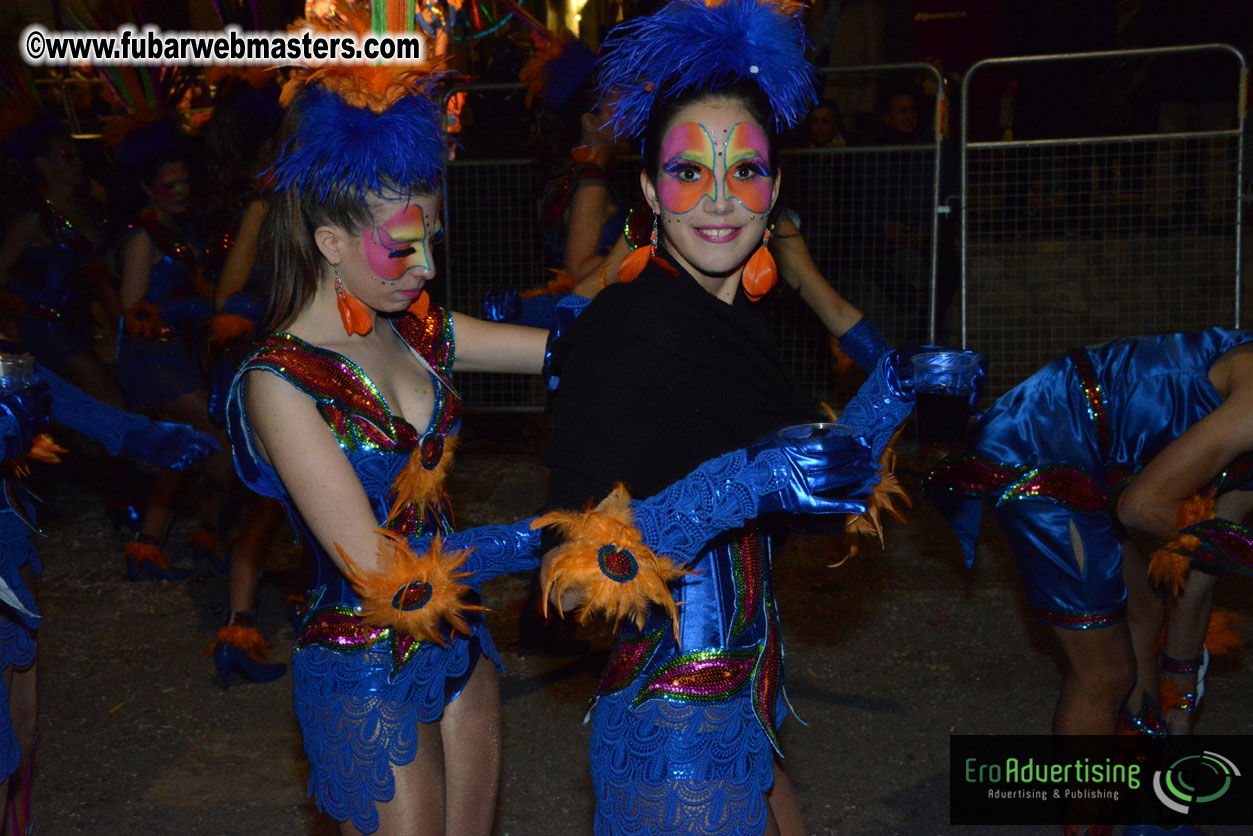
x,y
689,45
339,149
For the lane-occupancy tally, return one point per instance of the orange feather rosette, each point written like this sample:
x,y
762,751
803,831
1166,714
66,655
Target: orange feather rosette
x,y
605,562
1169,566
410,592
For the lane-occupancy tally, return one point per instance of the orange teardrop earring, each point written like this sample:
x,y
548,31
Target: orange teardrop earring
x,y
638,259
635,261
353,313
760,273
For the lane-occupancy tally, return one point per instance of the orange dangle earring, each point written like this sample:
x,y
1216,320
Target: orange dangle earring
x,y
760,273
352,311
638,259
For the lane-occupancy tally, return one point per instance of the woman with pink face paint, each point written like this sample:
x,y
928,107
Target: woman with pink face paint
x,y
668,367
164,298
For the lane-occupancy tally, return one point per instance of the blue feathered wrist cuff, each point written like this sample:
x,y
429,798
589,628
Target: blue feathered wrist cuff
x,y
864,344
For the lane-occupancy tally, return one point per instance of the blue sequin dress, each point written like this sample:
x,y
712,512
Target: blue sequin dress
x,y
1053,451
53,282
159,368
360,691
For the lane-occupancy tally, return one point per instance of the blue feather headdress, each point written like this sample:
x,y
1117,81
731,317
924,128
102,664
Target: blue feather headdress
x,y
693,44
558,70
362,128
339,150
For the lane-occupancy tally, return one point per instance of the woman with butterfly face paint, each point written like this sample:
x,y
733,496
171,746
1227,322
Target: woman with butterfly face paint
x,y
668,367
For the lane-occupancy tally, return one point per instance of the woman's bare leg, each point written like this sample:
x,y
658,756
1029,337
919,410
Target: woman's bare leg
x,y
471,730
784,809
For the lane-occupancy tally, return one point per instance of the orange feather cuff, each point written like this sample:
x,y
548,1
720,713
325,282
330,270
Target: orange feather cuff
x,y
1169,566
605,561
413,593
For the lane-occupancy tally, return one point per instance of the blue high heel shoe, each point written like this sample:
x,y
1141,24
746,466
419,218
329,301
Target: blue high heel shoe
x,y
148,561
238,647
229,658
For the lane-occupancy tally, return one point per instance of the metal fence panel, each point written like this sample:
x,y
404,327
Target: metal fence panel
x,y
1076,240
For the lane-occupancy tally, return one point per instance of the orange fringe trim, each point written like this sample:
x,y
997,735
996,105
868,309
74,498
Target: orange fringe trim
x,y
400,566
415,485
562,282
1169,566
247,639
147,553
226,328
575,567
205,540
42,449
881,502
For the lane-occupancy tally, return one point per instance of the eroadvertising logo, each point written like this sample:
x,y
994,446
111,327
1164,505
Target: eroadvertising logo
x,y
1032,779
1194,780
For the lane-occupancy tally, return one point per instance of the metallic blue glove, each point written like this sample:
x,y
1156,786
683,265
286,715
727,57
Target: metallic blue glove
x,y
882,403
176,446
23,416
820,474
864,344
495,550
566,311
501,305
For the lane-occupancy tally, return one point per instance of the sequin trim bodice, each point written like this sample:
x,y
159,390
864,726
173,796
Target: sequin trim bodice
x,y
377,442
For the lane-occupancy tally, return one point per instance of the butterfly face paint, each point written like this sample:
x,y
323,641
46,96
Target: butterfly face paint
x,y
697,164
398,244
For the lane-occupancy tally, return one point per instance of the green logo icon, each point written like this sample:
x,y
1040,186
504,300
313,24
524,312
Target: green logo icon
x,y
1194,779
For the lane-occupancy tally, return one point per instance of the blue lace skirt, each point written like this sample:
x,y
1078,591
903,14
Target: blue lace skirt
x,y
357,720
668,768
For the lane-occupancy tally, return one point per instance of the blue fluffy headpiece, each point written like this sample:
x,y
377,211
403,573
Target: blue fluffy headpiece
x,y
692,44
342,150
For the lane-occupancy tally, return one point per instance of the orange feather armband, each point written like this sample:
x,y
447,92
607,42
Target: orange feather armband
x,y
416,594
606,563
1169,566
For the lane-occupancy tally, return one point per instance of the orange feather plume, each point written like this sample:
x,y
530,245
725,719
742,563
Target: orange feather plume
x,y
147,553
421,306
377,87
605,562
535,72
418,485
883,501
226,328
561,283
1169,566
400,569
1222,635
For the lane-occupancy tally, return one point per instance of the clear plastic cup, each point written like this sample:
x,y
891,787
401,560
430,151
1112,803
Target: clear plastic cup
x,y
944,383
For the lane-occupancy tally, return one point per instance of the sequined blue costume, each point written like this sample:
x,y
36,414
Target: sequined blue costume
x,y
1052,452
359,690
683,729
160,368
53,282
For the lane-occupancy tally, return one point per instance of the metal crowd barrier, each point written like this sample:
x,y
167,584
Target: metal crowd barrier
x,y
849,200
1072,240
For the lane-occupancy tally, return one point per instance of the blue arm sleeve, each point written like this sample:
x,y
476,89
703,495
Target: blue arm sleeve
x,y
79,411
864,344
